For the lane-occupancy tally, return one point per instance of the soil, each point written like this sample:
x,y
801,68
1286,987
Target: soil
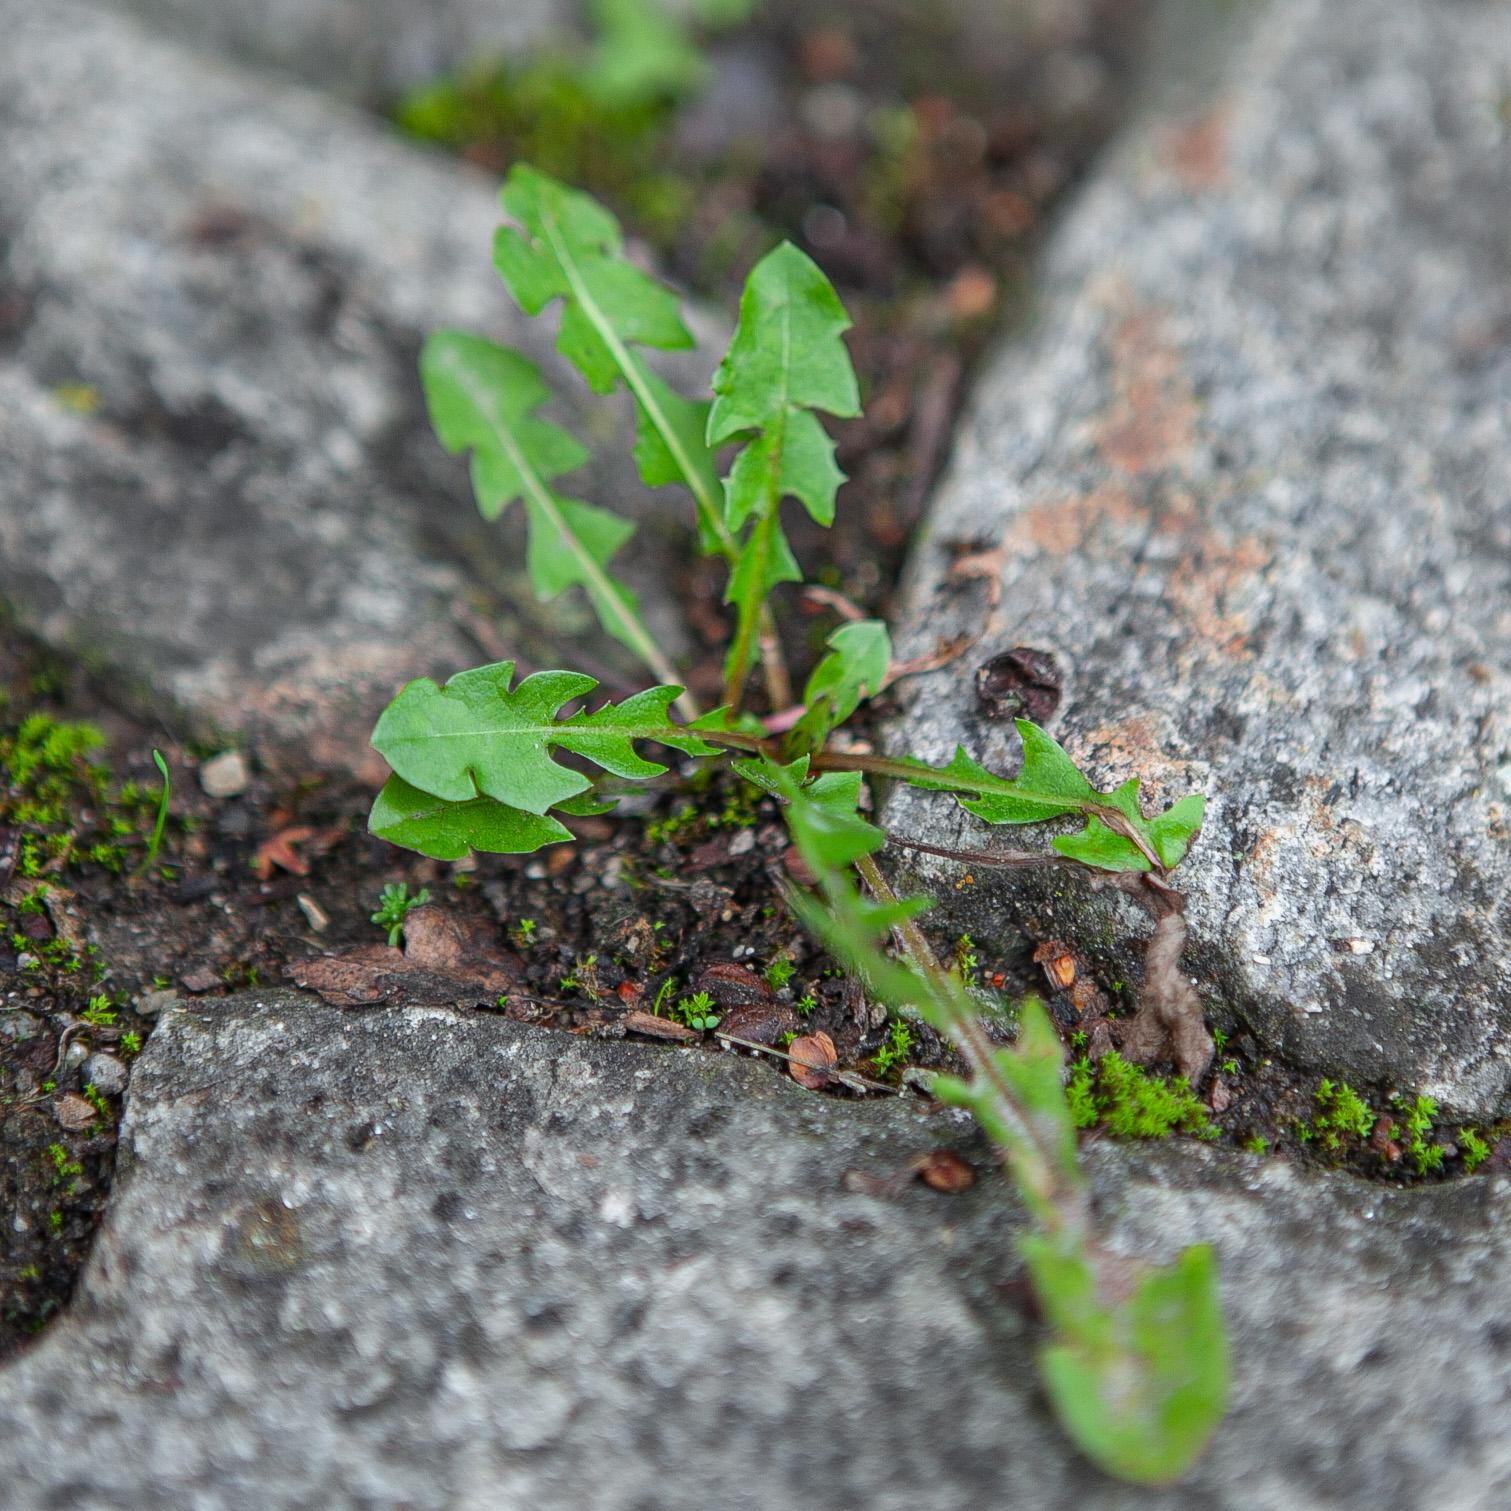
x,y
929,244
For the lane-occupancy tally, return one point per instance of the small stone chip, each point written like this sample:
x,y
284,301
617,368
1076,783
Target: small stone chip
x,y
105,1073
201,979
319,919
225,775
73,1112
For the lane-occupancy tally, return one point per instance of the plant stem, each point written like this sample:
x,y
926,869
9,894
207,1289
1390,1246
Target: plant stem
x,y
710,508
1062,1203
600,585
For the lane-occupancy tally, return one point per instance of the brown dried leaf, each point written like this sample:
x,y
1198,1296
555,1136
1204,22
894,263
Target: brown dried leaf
x,y
760,1022
444,959
944,1170
278,850
813,1057
732,985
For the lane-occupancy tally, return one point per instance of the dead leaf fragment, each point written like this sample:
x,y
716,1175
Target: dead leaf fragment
x,y
760,1022
73,1112
278,850
944,1170
813,1057
659,1028
444,960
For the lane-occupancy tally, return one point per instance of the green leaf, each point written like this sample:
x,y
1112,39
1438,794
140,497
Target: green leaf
x,y
786,359
1173,831
1049,786
403,815
475,737
822,816
855,668
1096,845
478,395
480,398
786,352
568,246
643,53
1140,1388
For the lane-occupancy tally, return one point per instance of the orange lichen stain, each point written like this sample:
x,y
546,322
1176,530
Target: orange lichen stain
x,y
1206,587
1138,746
1151,424
1064,525
1196,151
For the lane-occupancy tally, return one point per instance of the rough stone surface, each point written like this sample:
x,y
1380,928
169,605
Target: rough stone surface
x,y
421,1259
254,524
365,49
1249,480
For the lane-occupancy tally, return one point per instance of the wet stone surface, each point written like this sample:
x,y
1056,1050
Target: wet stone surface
x,y
1247,482
430,1259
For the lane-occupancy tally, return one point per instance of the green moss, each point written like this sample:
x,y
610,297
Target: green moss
x,y
1416,1124
1475,1150
540,111
1341,1113
1132,1102
895,1051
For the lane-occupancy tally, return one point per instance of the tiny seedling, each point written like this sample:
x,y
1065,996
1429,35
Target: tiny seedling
x,y
1416,1121
131,1044
1137,1363
155,842
1341,1113
804,1004
1474,1149
895,1051
1256,1143
523,931
697,1012
667,989
779,973
393,908
98,1012
96,1099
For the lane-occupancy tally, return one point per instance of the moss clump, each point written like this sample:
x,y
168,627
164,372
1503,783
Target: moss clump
x,y
59,798
1416,1124
541,111
1474,1149
1131,1102
1341,1113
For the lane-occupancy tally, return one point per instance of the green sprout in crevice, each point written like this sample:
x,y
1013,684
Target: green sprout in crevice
x,y
1416,1122
697,1012
393,907
895,1052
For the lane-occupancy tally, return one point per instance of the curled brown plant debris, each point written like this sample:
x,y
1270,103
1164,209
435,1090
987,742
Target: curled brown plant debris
x,y
1169,1026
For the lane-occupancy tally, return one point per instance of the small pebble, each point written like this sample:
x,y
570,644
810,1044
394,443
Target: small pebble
x,y
106,1074
75,1054
150,1004
225,775
73,1112
319,919
742,843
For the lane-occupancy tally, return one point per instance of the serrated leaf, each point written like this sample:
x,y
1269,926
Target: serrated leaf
x,y
568,246
1050,786
571,248
1096,845
1173,831
828,831
477,393
481,397
403,815
786,359
786,351
477,737
794,457
855,668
